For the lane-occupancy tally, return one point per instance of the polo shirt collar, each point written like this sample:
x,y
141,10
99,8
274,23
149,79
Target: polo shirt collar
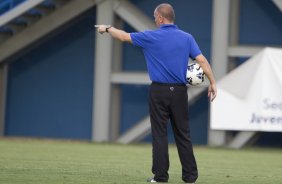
x,y
168,26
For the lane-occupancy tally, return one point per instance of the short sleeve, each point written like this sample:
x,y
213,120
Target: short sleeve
x,y
194,48
139,39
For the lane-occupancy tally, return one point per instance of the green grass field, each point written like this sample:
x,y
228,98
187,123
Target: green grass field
x,y
28,161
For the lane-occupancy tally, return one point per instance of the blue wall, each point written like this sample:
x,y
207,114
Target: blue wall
x,y
50,86
260,23
6,5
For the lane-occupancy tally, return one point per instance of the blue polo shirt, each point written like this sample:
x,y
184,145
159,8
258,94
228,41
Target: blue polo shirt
x,y
167,51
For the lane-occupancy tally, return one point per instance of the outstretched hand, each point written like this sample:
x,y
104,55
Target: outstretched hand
x,y
101,28
212,92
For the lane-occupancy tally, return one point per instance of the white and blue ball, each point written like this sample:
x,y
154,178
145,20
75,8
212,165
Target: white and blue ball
x,y
195,74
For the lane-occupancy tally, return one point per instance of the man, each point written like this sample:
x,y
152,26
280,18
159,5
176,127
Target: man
x,y
167,51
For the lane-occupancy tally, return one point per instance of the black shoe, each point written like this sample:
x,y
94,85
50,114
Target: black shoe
x,y
153,180
189,182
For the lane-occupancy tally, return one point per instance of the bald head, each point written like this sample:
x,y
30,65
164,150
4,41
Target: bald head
x,y
166,10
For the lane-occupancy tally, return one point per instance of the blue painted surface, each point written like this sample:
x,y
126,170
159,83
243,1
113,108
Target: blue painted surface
x,y
134,105
6,5
50,86
260,23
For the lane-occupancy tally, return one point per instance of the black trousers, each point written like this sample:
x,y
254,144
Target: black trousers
x,y
170,102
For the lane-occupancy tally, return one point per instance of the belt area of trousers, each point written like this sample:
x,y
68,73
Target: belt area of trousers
x,y
157,86
168,84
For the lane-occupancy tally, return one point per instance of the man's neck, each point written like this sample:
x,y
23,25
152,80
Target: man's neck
x,y
166,22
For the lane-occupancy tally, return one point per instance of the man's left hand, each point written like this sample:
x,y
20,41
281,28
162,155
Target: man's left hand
x,y
212,92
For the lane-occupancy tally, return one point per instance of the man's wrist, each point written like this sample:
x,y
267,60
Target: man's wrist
x,y
107,28
213,83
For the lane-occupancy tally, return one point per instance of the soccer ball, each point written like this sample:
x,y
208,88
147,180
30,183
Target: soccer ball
x,y
195,74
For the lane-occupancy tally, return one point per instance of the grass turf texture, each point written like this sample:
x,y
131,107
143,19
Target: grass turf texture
x,y
44,161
